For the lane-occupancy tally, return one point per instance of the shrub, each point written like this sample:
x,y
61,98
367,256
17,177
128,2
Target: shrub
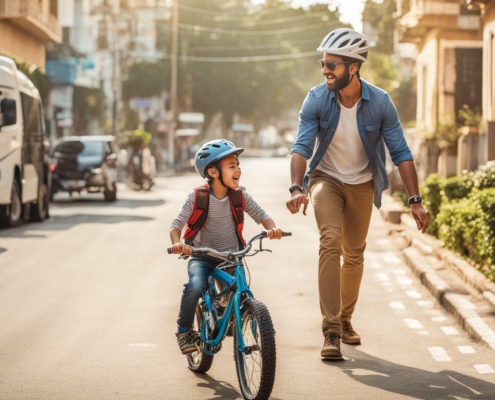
x,y
484,176
455,188
431,191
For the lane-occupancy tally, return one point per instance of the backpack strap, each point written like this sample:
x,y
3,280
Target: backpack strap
x,y
237,206
199,213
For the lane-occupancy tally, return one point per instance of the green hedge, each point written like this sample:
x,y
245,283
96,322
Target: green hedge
x,y
462,213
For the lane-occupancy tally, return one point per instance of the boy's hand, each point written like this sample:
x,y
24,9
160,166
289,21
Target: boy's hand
x,y
274,233
179,248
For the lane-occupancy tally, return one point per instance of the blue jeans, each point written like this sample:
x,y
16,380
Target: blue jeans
x,y
198,271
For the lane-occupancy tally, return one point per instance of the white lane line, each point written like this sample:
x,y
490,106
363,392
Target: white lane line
x,y
449,330
439,319
466,349
414,294
382,277
413,323
401,280
484,369
438,387
391,258
425,303
466,386
398,271
439,354
424,332
398,305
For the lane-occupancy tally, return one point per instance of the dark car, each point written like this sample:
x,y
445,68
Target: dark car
x,y
85,163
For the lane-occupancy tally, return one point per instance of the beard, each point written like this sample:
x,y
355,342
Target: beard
x,y
341,83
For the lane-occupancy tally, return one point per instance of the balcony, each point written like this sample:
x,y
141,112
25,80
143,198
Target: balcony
x,y
29,15
416,17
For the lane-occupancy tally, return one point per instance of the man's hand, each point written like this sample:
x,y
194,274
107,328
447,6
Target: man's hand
x,y
421,216
294,204
179,248
274,233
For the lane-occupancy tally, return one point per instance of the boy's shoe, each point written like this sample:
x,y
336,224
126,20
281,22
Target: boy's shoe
x,y
187,341
331,347
349,335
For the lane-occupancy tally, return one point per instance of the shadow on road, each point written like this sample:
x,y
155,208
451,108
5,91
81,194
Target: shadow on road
x,y
412,382
221,390
123,203
60,223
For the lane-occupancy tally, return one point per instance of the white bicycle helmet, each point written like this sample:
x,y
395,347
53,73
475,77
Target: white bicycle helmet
x,y
345,42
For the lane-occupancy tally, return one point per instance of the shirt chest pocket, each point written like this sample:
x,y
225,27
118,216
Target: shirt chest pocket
x,y
373,130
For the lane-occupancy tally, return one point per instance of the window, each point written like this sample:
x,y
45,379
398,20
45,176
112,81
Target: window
x,y
32,116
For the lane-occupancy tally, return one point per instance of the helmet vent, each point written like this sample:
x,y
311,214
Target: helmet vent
x,y
364,44
205,148
356,41
216,146
338,37
365,54
204,155
344,43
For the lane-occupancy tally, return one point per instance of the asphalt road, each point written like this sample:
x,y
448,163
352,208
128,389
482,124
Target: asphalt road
x,y
89,300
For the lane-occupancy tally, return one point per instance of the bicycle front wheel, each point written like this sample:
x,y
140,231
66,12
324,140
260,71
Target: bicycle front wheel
x,y
199,361
256,364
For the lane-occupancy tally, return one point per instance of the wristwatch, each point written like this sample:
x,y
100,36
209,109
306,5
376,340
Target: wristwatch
x,y
415,200
296,187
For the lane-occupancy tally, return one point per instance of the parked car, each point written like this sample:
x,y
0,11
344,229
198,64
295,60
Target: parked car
x,y
24,149
85,163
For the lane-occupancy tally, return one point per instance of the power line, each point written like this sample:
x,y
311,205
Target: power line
x,y
204,49
275,57
216,13
198,28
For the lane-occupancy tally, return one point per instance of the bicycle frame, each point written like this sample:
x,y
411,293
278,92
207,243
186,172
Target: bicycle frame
x,y
233,305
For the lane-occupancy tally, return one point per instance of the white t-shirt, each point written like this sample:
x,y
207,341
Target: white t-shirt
x,y
345,158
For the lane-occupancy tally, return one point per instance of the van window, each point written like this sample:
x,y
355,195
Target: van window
x,y
32,117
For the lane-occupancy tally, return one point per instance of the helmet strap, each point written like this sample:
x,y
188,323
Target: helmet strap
x,y
217,165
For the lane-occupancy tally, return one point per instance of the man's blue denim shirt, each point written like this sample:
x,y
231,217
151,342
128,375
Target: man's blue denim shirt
x,y
377,120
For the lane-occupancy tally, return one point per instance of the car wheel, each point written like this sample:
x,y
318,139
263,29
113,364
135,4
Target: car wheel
x,y
14,213
110,194
39,210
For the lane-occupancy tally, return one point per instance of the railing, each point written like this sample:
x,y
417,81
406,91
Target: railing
x,y
30,9
432,7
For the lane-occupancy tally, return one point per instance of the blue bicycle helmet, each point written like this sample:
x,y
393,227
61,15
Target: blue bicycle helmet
x,y
213,152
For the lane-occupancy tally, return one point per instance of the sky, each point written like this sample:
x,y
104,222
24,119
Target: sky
x,y
350,10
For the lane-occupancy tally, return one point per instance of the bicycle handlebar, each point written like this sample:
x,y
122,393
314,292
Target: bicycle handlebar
x,y
203,250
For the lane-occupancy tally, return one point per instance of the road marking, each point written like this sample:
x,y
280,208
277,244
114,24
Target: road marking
x,y
449,330
398,271
401,280
425,303
385,242
382,276
466,386
365,372
398,305
390,290
413,323
439,354
466,349
484,369
391,258
375,265
414,294
438,387
424,332
439,319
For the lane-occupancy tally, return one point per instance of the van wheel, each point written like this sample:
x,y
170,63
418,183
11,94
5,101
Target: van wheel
x,y
39,211
110,194
14,209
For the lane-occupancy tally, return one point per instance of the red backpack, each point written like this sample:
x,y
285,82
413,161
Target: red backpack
x,y
200,212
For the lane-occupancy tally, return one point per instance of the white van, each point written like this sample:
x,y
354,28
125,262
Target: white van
x,y
24,174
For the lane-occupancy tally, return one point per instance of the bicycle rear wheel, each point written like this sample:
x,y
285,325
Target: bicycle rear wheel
x,y
256,364
199,361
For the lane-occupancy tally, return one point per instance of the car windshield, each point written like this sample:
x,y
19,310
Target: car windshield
x,y
80,149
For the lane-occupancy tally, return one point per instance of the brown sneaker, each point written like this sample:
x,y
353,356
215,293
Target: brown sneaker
x,y
349,335
187,341
331,347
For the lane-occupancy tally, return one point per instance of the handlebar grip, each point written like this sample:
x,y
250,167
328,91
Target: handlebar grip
x,y
169,250
286,233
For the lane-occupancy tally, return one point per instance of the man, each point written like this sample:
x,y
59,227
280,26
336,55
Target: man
x,y
349,120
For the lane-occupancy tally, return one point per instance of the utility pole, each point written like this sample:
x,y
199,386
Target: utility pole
x,y
173,83
114,75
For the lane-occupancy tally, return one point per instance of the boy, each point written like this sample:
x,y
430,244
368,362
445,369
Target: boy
x,y
217,162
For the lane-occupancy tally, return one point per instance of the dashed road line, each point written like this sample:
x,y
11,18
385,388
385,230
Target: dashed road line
x,y
484,369
413,323
398,305
449,330
414,294
466,349
439,354
382,276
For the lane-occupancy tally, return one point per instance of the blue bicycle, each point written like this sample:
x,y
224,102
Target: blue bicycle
x,y
229,307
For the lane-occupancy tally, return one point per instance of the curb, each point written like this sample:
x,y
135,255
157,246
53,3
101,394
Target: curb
x,y
426,257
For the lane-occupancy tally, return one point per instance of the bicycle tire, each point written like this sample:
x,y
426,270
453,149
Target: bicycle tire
x,y
199,361
255,309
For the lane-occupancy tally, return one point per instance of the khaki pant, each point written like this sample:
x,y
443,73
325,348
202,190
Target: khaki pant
x,y
343,214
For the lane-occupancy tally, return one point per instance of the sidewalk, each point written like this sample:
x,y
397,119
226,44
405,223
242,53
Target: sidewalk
x,y
458,286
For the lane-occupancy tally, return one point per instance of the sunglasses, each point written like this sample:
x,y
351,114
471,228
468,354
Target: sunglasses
x,y
331,65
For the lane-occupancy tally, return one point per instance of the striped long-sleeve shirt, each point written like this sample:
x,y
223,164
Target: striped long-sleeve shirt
x,y
218,231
